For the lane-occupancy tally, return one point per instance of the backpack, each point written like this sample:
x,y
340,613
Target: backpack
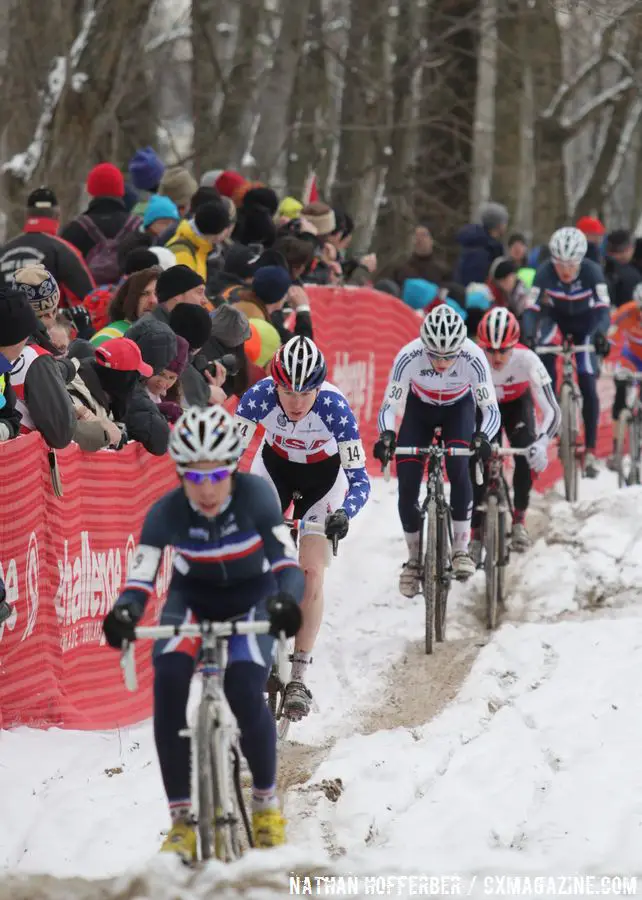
x,y
97,304
102,259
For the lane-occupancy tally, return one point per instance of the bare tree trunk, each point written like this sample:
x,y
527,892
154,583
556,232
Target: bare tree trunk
x,y
271,137
524,210
484,129
231,138
207,81
78,109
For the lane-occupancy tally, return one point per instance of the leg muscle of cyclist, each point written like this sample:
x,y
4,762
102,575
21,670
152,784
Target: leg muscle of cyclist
x,y
244,688
172,677
313,560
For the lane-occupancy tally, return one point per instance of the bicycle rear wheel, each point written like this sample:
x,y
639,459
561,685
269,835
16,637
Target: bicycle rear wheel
x,y
492,560
568,442
275,690
430,572
443,573
624,465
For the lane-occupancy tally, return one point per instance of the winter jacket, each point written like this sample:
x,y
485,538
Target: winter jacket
x,y
41,397
478,250
190,249
39,243
9,415
109,214
414,266
90,436
138,413
621,279
196,389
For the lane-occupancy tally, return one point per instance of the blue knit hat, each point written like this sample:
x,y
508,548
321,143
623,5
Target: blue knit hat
x,y
271,284
160,207
418,293
146,169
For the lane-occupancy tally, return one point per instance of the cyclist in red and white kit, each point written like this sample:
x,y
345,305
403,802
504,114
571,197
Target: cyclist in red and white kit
x,y
520,378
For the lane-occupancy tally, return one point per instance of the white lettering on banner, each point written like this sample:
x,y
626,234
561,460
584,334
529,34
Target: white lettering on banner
x,y
10,579
29,595
32,578
356,380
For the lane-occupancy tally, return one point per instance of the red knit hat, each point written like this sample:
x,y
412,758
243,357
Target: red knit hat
x,y
590,226
105,180
228,182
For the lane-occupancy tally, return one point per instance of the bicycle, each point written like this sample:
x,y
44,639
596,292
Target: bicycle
x,y
629,420
281,667
216,755
570,401
435,513
497,514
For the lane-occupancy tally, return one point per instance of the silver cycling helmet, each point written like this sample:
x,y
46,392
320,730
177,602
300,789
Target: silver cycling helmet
x,y
568,245
443,331
205,434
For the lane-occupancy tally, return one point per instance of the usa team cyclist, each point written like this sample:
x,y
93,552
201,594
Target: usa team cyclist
x,y
234,557
311,453
570,296
441,378
519,377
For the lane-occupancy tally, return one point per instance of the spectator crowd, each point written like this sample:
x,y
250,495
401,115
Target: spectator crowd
x,y
165,293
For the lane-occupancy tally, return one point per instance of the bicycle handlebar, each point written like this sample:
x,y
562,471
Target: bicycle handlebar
x,y
434,451
625,375
568,351
508,451
195,629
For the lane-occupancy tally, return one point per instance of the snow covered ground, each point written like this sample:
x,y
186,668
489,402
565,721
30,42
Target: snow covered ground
x,y
514,755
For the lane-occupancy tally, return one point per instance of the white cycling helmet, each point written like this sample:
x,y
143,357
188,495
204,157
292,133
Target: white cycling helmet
x,y
443,331
205,434
568,245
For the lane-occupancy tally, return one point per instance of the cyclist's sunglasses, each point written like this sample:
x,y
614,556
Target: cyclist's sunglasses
x,y
196,476
501,351
437,357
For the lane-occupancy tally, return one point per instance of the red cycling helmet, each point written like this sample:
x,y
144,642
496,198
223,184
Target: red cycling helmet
x,y
498,329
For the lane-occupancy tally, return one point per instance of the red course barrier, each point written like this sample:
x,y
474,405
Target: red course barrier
x,y
64,560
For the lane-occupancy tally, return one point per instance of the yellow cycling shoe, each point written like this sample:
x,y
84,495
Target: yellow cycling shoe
x,y
181,840
268,826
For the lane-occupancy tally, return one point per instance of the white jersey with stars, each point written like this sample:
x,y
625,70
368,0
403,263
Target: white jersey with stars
x,y
413,371
329,429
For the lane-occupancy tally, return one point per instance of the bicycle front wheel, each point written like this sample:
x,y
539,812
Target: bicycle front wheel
x,y
568,442
205,777
635,437
430,573
624,465
492,561
443,573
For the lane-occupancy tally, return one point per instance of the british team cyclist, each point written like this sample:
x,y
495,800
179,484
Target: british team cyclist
x,y
627,320
570,297
311,453
234,557
441,377
520,378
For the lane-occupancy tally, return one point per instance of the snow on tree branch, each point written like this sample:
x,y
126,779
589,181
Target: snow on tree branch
x,y
23,165
181,32
624,144
608,95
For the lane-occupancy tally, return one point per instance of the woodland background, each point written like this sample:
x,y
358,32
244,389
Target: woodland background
x,y
408,110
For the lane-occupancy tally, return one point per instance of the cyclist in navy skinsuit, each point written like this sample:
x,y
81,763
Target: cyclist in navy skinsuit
x,y
233,553
569,293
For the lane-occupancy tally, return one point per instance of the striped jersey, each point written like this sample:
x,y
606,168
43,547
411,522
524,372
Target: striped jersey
x,y
524,371
245,543
588,291
413,371
328,430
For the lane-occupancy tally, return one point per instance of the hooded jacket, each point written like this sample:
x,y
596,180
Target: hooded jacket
x,y
478,250
157,342
190,249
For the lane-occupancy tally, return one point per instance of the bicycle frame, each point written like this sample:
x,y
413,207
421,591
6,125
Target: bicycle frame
x,y
215,736
629,419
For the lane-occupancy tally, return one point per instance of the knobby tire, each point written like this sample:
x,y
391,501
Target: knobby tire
x,y
205,778
430,573
624,423
492,560
568,442
443,574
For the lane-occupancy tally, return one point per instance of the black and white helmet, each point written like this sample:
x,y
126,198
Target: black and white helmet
x,y
568,245
443,331
205,434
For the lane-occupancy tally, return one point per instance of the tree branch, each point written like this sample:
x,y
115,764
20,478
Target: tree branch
x,y
572,124
179,33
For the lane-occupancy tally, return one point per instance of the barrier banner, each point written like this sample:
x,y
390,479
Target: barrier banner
x,y
64,561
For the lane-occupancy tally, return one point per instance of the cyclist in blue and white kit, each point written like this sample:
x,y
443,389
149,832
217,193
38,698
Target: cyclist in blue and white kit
x,y
311,453
234,558
443,378
569,293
